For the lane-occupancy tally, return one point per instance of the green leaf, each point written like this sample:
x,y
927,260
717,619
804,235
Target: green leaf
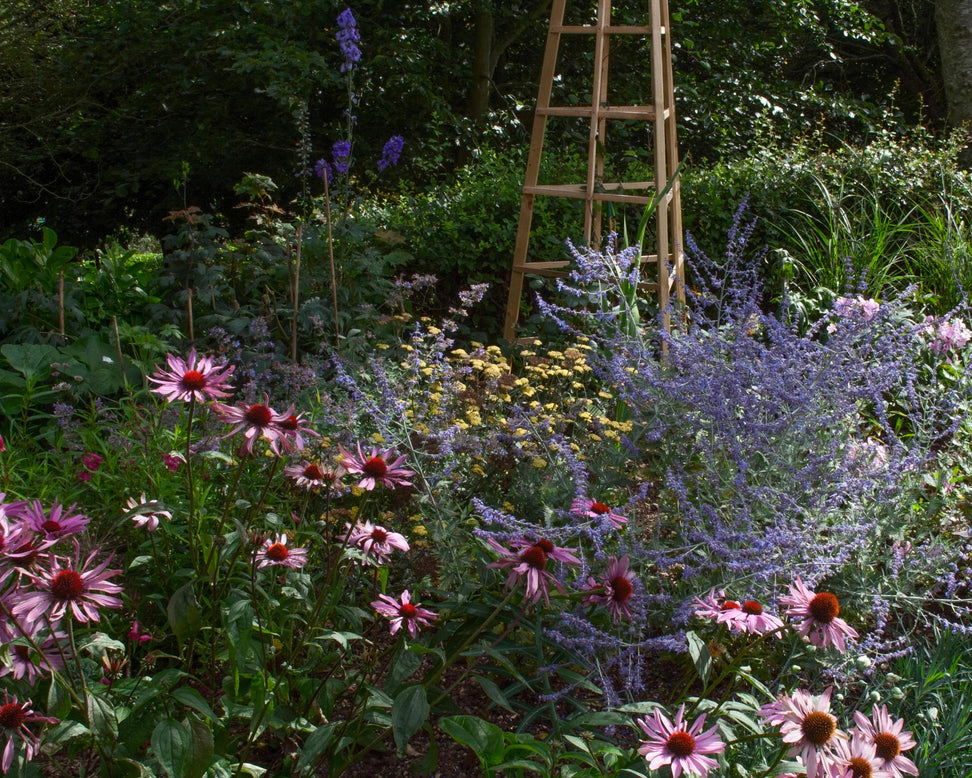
x,y
405,664
101,718
172,746
33,360
184,614
58,700
494,692
484,738
202,752
701,658
315,745
193,699
410,711
99,643
65,731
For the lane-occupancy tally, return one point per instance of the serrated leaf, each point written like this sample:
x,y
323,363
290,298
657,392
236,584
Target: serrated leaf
x,y
172,745
65,731
99,643
201,754
409,712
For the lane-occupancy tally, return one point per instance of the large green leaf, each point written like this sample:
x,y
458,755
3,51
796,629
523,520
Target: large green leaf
x,y
410,711
172,746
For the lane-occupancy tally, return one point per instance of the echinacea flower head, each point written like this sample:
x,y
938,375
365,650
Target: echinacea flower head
x,y
615,589
313,475
583,506
530,563
817,614
54,524
715,607
67,586
403,612
275,553
889,741
750,617
257,421
377,467
808,728
855,758
685,749
14,718
375,541
294,427
25,663
193,378
146,513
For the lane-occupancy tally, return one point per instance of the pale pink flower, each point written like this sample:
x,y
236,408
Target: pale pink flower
x,y
403,612
530,563
684,748
615,588
311,475
378,467
808,727
146,513
855,758
851,307
593,509
257,421
68,587
58,523
817,614
275,553
948,335
889,741
27,664
189,379
375,541
752,618
14,718
715,607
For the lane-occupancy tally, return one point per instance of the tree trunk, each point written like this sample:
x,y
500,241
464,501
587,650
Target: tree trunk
x,y
953,18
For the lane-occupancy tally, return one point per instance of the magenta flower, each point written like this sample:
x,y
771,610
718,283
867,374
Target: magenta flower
x,y
888,740
597,510
818,615
146,513
403,612
808,727
66,587
276,554
376,542
684,748
311,475
173,461
531,563
378,467
189,379
615,589
136,635
92,461
16,538
14,718
57,524
257,421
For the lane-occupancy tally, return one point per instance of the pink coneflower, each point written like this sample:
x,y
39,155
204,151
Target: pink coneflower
x,y
57,524
294,426
530,562
615,589
256,421
715,607
29,665
146,513
376,542
855,758
14,718
752,618
403,612
808,727
15,536
66,587
889,741
684,748
597,510
311,475
378,467
275,553
818,612
189,379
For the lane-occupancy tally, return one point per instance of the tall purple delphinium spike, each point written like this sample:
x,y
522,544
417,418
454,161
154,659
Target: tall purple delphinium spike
x,y
348,38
